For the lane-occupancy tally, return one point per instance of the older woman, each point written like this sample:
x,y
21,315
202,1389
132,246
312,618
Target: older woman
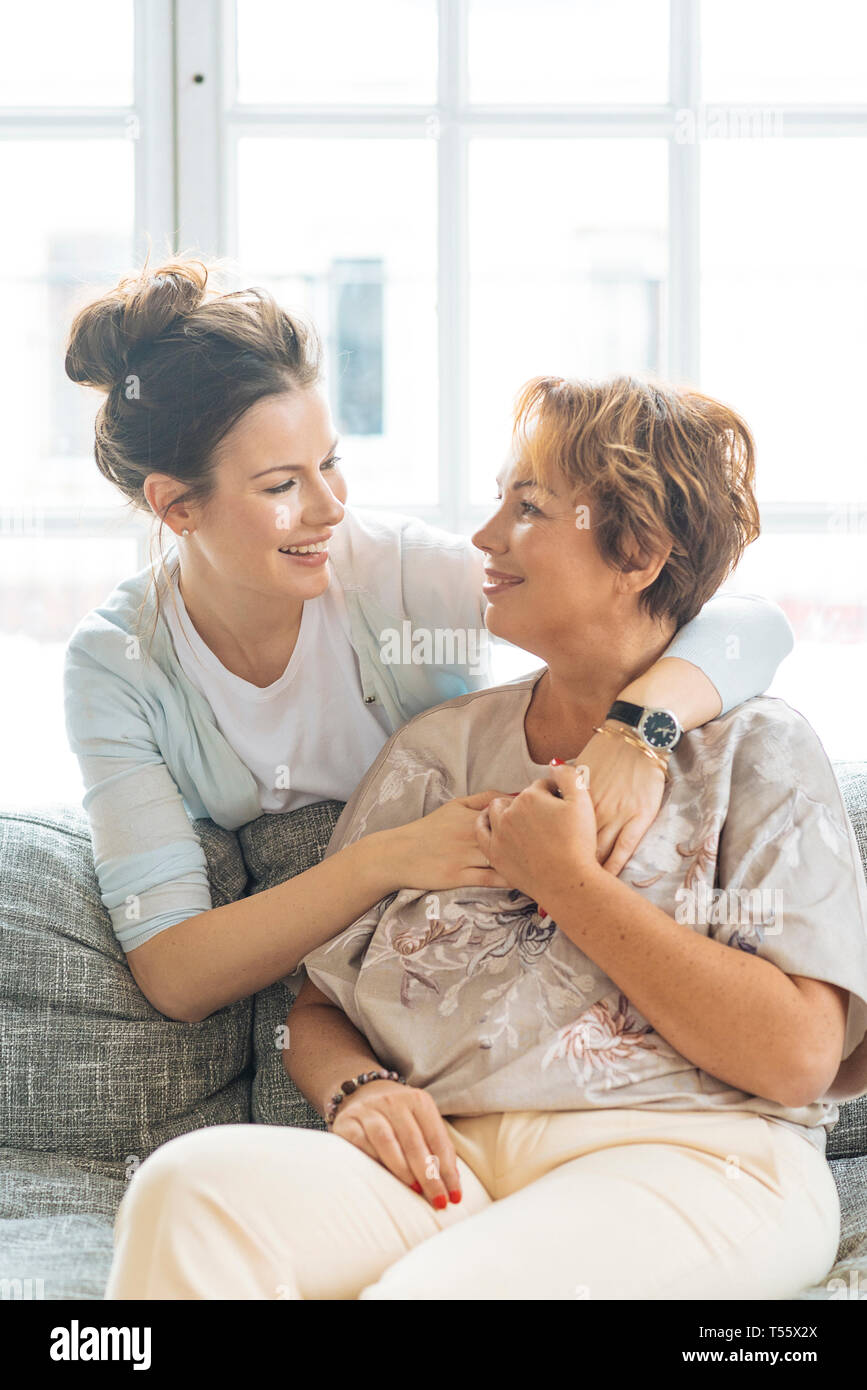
x,y
580,1086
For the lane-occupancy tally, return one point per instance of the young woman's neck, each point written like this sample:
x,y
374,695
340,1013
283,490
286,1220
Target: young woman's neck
x,y
252,636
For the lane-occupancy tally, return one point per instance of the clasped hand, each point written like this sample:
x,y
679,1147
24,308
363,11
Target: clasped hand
x,y
574,818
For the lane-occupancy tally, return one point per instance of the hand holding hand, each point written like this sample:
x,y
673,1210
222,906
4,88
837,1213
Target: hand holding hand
x,y
547,829
626,790
441,849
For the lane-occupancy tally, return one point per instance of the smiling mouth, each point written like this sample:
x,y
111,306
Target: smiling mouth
x,y
495,579
311,548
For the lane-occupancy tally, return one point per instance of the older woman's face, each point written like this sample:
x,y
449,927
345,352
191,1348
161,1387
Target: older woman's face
x,y
546,583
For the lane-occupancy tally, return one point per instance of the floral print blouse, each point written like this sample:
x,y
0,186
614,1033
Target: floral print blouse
x,y
474,997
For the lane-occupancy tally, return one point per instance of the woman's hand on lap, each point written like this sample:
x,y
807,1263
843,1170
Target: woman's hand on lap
x,y
401,1127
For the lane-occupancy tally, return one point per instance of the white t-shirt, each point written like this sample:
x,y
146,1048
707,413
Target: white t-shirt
x,y
307,737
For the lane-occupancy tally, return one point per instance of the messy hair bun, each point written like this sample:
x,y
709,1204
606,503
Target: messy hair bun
x,y
105,333
180,362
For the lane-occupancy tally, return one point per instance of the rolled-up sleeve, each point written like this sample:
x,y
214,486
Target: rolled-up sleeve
x,y
738,641
150,865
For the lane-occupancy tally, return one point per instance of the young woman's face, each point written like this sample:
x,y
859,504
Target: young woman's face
x,y
279,486
546,582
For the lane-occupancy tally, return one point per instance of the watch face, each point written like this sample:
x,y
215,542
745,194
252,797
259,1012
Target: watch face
x,y
659,729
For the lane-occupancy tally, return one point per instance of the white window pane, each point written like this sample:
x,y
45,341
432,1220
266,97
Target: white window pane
x,y
784,51
46,587
784,303
820,580
73,242
572,51
57,53
345,231
568,255
382,51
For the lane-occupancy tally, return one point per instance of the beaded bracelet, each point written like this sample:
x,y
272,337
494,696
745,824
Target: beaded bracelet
x,y
347,1087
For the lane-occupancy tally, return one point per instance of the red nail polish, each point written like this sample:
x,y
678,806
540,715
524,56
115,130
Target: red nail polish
x,y
455,1196
542,913
440,1202
557,762
416,1187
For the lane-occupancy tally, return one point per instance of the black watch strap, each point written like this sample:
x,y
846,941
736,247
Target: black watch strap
x,y
626,712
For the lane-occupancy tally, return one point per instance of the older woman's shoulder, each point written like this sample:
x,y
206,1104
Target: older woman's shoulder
x,y
771,741
770,715
492,705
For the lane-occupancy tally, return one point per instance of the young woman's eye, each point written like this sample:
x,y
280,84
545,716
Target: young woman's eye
x,y
290,482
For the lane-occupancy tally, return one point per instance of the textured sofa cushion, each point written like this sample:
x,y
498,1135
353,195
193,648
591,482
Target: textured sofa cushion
x,y
275,848
88,1067
57,1224
853,784
848,1138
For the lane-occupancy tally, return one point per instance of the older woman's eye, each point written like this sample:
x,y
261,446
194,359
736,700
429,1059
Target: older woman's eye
x,y
526,508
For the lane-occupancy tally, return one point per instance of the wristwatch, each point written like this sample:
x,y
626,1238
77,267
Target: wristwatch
x,y
660,729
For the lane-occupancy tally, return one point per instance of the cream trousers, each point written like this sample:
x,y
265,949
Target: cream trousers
x,y
594,1204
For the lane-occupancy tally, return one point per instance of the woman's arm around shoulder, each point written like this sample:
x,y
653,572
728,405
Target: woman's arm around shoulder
x,y
737,641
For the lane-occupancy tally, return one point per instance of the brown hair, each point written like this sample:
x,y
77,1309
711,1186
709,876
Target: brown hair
x,y
180,362
657,465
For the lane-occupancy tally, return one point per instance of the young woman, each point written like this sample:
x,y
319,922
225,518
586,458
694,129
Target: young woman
x,y
626,1099
245,674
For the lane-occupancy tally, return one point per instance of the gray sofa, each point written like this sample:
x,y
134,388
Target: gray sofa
x,y
92,1078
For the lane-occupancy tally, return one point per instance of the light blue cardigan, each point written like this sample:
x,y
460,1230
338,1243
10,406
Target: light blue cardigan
x,y
151,754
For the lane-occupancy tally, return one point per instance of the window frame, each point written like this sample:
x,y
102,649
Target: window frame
x,y
150,122
207,204
186,134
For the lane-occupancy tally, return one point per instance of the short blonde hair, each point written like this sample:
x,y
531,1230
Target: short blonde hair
x,y
656,465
